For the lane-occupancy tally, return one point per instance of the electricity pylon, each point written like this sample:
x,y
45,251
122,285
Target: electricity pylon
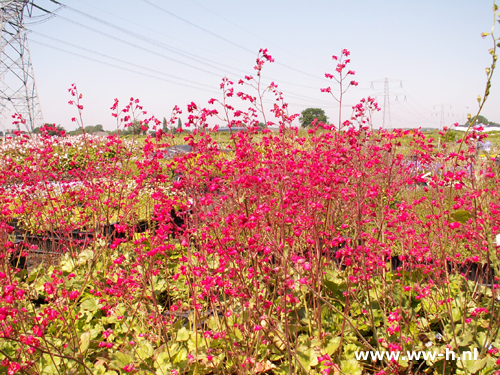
x,y
386,120
442,120
386,123
17,80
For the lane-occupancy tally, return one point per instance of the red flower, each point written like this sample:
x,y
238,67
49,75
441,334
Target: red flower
x,y
13,368
49,288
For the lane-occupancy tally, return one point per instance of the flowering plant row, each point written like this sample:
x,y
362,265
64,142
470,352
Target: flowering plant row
x,y
285,253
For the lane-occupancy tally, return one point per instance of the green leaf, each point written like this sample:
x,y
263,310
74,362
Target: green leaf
x,y
470,364
180,356
307,356
456,314
466,340
182,334
403,363
163,362
462,216
121,359
196,341
89,304
145,350
159,284
84,256
490,367
84,341
67,265
349,350
284,369
351,367
481,338
332,345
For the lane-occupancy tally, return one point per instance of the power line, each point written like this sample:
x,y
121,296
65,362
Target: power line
x,y
198,27
397,117
119,67
155,31
170,48
298,96
116,59
136,46
415,111
153,42
255,35
141,73
222,38
139,66
412,111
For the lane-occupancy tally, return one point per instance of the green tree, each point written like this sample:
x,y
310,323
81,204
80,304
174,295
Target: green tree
x,y
98,128
179,124
308,115
165,128
89,129
52,129
482,120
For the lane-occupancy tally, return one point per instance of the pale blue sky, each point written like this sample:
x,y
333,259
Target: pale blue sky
x,y
433,49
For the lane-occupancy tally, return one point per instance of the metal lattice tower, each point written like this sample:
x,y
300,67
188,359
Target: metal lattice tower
x,y
441,121
17,80
386,122
442,114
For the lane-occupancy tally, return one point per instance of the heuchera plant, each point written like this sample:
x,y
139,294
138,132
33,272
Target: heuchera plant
x,y
265,251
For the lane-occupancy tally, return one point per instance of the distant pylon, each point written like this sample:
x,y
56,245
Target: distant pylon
x,y
386,122
442,114
17,79
441,121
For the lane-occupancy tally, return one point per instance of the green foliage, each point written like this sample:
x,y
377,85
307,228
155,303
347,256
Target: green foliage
x,y
88,130
136,128
54,129
181,344
308,115
482,120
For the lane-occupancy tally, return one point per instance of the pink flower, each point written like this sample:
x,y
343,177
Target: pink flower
x,y
73,294
13,368
129,368
37,331
107,333
49,288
